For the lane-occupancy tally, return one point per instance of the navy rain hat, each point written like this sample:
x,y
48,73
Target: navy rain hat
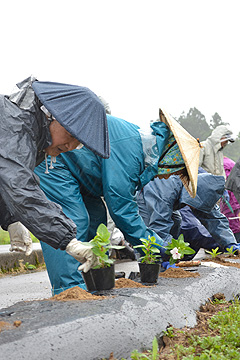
x,y
79,111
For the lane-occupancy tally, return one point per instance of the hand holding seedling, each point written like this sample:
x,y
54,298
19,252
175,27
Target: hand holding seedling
x,y
83,254
100,246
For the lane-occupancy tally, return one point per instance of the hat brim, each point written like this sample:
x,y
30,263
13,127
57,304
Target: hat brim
x,y
79,111
190,150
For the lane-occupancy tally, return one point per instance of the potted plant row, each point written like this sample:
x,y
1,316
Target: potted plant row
x,y
102,276
149,263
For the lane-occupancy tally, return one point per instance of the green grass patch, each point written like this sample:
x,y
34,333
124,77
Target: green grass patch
x,y
5,239
220,341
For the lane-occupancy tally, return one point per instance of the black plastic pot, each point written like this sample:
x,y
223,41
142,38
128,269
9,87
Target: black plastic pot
x,y
149,272
100,279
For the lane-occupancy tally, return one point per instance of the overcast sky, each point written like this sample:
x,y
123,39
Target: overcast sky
x,y
139,55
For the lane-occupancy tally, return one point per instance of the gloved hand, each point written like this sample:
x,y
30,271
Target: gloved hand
x,y
236,247
83,254
166,265
20,238
226,195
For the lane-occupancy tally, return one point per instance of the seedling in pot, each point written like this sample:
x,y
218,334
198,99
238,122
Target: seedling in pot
x,y
149,265
149,248
102,276
177,249
100,245
214,253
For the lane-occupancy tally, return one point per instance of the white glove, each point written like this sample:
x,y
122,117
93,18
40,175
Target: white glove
x,y
20,238
83,254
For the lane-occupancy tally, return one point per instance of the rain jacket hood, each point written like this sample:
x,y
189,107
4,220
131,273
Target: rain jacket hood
x,y
154,141
219,132
209,191
211,154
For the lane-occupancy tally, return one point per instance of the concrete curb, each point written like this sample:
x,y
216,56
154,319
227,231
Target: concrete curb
x,y
127,320
9,260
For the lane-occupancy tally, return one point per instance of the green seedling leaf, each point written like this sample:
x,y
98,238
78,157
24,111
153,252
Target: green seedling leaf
x,y
103,232
182,247
154,349
189,251
149,249
214,253
29,266
100,246
230,251
116,247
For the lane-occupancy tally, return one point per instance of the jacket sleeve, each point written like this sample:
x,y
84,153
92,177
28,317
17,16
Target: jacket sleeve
x,y
19,189
27,203
217,225
159,212
120,176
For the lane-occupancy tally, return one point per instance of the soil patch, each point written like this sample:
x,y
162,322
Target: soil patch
x,y
220,260
178,273
76,293
127,283
4,325
237,256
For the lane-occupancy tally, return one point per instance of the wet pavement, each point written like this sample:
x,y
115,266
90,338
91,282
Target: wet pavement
x,y
127,319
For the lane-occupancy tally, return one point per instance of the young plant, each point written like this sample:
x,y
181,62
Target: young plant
x,y
169,332
100,245
29,266
214,253
230,251
177,249
150,250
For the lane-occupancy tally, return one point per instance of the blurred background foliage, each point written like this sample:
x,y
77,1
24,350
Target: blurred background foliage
x,y
196,124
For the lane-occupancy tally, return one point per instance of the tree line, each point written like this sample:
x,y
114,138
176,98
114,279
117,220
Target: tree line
x,y
196,124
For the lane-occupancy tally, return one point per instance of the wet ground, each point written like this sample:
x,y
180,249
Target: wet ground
x,y
127,319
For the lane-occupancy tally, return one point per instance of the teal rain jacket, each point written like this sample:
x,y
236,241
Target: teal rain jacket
x,y
80,178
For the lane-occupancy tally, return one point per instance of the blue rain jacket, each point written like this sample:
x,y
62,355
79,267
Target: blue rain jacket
x,y
159,198
195,233
80,178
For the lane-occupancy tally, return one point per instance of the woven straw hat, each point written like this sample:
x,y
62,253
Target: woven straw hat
x,y
190,150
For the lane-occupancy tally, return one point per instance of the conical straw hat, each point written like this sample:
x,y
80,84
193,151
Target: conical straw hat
x,y
190,150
